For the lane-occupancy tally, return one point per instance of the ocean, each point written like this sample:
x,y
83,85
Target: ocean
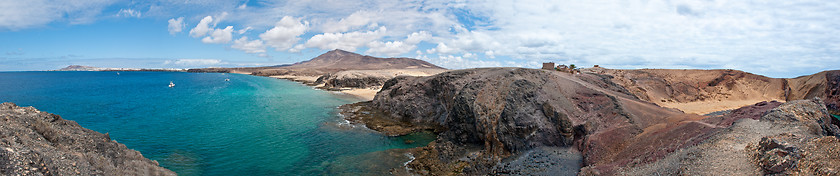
x,y
205,125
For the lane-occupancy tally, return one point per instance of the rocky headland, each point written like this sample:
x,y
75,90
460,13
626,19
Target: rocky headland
x,y
39,143
511,121
340,70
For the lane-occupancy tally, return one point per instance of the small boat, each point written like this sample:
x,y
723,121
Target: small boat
x,y
227,79
171,84
118,73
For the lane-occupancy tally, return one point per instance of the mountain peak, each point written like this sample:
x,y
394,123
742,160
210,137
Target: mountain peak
x,y
338,52
344,60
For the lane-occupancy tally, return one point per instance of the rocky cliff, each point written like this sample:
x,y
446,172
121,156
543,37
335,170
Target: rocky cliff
x,y
40,143
488,115
504,120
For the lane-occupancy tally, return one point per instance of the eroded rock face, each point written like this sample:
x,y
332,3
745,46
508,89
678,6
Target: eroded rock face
x,y
355,82
40,143
809,113
490,114
487,116
505,109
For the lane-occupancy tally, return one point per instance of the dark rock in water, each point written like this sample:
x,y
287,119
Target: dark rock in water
x,y
39,143
375,119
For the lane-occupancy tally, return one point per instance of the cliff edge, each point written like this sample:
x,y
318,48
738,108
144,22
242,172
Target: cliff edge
x,y
39,143
543,122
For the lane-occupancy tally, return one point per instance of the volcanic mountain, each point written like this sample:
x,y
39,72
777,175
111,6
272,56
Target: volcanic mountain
x,y
330,62
341,69
344,60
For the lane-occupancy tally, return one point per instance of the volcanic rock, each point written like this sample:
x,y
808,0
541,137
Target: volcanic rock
x,y
488,115
39,143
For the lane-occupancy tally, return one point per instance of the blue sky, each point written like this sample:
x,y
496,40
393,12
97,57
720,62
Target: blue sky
x,y
772,38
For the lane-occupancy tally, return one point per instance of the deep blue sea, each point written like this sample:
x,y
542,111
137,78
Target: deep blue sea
x,y
208,126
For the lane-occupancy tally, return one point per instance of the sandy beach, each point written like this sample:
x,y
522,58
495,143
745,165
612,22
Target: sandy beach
x,y
366,93
305,79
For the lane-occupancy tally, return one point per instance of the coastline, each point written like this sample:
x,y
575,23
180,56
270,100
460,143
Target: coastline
x,y
365,94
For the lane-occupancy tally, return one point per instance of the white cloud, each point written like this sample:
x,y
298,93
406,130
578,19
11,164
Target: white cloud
x,y
468,55
253,46
285,33
194,62
203,27
16,15
219,18
207,26
243,31
355,20
128,13
349,41
392,48
788,37
297,48
219,35
458,62
396,48
442,49
417,37
176,25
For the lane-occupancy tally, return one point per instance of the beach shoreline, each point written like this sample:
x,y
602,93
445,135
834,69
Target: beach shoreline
x,y
364,94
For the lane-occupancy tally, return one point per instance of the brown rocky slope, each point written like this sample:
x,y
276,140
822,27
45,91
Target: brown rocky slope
x,y
39,143
705,91
488,117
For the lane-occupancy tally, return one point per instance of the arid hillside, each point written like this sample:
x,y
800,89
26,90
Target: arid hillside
x,y
706,91
488,119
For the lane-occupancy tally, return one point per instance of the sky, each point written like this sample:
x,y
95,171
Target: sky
x,y
776,38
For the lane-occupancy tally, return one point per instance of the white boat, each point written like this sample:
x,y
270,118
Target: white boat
x,y
227,79
171,84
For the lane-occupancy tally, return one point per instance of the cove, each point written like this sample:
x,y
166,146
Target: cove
x,y
205,125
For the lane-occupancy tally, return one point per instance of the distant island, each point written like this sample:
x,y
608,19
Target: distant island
x,y
89,68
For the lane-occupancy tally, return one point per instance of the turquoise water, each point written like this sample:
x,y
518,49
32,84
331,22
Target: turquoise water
x,y
836,116
207,126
